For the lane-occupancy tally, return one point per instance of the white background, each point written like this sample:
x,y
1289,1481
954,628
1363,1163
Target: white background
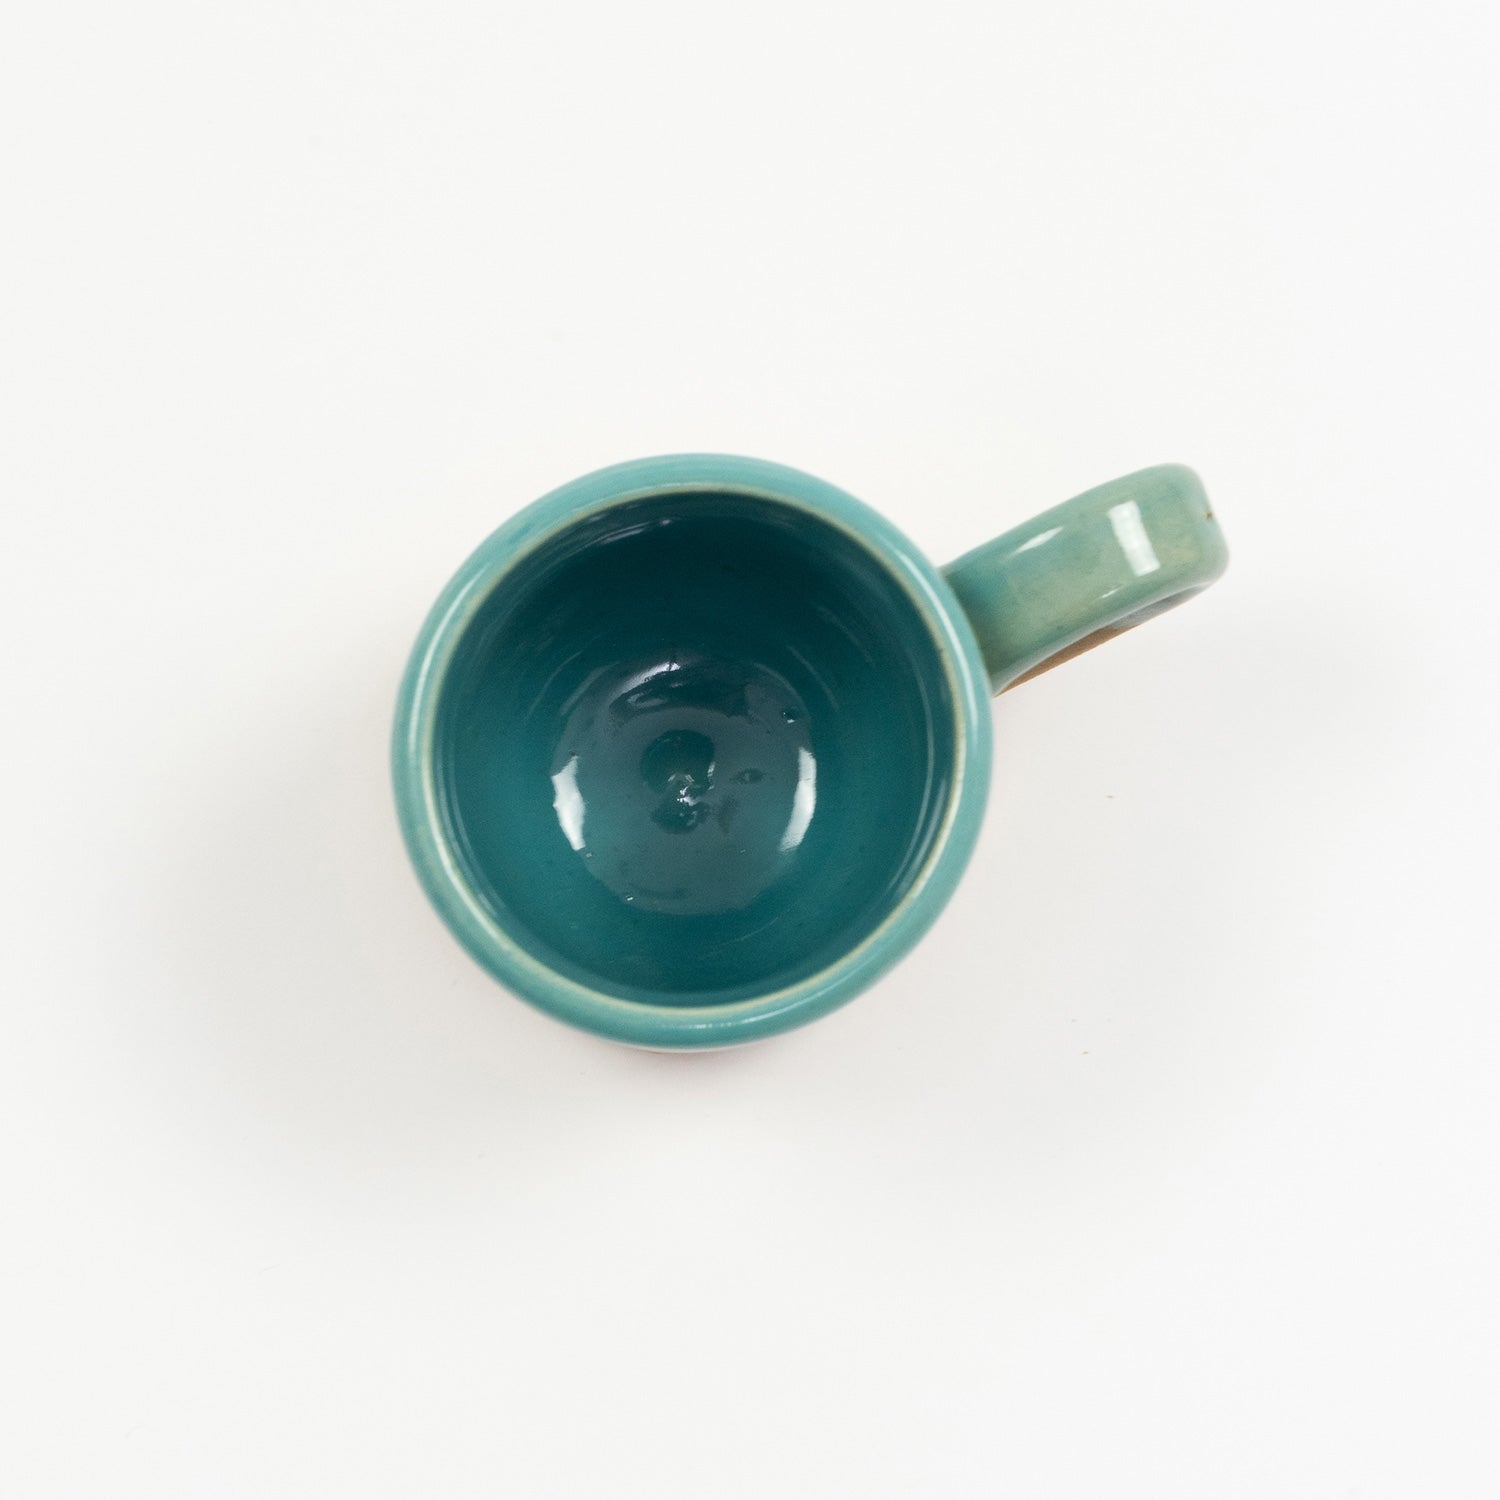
x,y
1167,1166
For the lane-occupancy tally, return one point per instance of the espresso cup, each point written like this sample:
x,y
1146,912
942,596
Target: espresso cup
x,y
694,748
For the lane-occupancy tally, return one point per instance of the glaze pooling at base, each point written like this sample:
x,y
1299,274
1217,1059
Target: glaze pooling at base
x,y
686,783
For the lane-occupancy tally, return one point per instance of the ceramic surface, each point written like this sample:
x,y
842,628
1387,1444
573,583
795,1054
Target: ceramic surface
x,y
694,748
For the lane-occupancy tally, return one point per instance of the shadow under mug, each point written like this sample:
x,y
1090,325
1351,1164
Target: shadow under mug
x,y
694,748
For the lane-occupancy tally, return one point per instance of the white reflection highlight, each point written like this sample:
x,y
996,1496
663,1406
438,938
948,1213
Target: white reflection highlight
x,y
567,802
804,799
1039,540
1130,533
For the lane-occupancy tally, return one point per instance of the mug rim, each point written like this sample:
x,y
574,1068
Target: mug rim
x,y
686,1024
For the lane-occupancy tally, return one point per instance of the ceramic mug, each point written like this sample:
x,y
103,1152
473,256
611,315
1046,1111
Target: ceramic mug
x,y
694,748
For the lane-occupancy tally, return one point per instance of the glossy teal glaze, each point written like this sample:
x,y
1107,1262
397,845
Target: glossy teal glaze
x,y
1098,564
694,748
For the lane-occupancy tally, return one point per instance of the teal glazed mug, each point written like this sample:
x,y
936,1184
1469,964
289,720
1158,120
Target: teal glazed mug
x,y
694,748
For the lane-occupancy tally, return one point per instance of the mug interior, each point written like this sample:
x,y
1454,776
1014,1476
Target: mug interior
x,y
694,746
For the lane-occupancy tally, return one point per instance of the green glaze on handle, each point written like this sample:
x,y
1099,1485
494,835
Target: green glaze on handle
x,y
1087,570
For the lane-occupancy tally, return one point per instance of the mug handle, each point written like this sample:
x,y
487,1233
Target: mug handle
x,y
1088,570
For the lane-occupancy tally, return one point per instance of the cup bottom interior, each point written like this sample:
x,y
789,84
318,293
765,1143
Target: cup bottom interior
x,y
696,747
